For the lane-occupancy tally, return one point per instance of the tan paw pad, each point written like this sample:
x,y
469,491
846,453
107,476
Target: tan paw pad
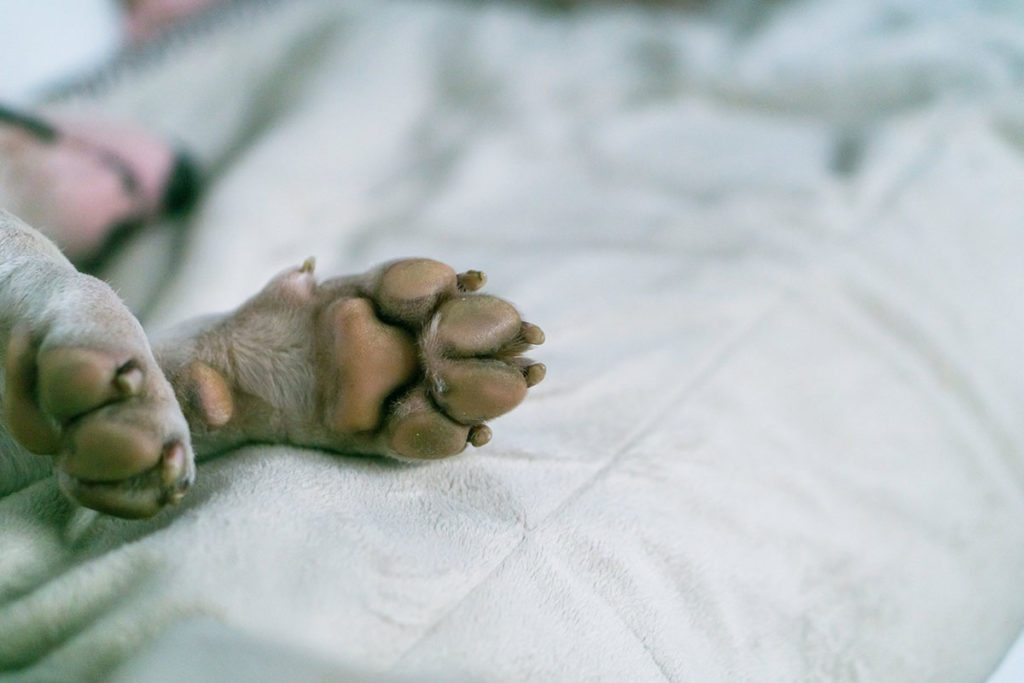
x,y
212,393
104,449
417,430
373,360
476,325
474,390
74,381
409,290
27,422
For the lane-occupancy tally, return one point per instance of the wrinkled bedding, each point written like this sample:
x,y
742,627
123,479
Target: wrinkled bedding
x,y
777,251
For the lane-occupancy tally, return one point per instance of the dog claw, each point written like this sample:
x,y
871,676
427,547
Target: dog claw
x,y
480,435
129,379
172,464
175,496
532,334
174,473
535,374
308,266
471,280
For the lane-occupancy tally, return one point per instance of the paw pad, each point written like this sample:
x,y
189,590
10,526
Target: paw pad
x,y
474,390
74,381
418,430
408,291
373,360
474,325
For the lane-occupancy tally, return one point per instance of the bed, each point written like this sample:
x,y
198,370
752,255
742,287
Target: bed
x,y
777,251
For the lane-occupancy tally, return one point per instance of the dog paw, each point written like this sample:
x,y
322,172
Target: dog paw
x,y
106,413
453,358
408,360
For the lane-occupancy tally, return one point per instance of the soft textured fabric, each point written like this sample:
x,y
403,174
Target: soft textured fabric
x,y
777,251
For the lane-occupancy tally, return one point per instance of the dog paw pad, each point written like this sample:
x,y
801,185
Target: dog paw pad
x,y
474,325
417,430
73,381
408,291
474,390
373,360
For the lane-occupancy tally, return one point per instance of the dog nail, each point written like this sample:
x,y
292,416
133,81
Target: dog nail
x,y
535,374
173,463
480,435
471,280
533,334
129,379
308,266
174,496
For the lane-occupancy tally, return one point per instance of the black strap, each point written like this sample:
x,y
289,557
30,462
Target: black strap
x,y
33,124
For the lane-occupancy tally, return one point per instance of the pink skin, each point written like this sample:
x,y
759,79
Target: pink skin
x,y
146,19
97,175
76,186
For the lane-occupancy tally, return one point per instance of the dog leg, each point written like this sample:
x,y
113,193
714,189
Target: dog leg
x,y
80,383
405,360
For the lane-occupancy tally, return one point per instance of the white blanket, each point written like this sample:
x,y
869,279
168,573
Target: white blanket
x,y
777,250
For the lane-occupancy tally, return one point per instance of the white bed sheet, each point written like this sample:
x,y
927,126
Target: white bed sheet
x,y
778,257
